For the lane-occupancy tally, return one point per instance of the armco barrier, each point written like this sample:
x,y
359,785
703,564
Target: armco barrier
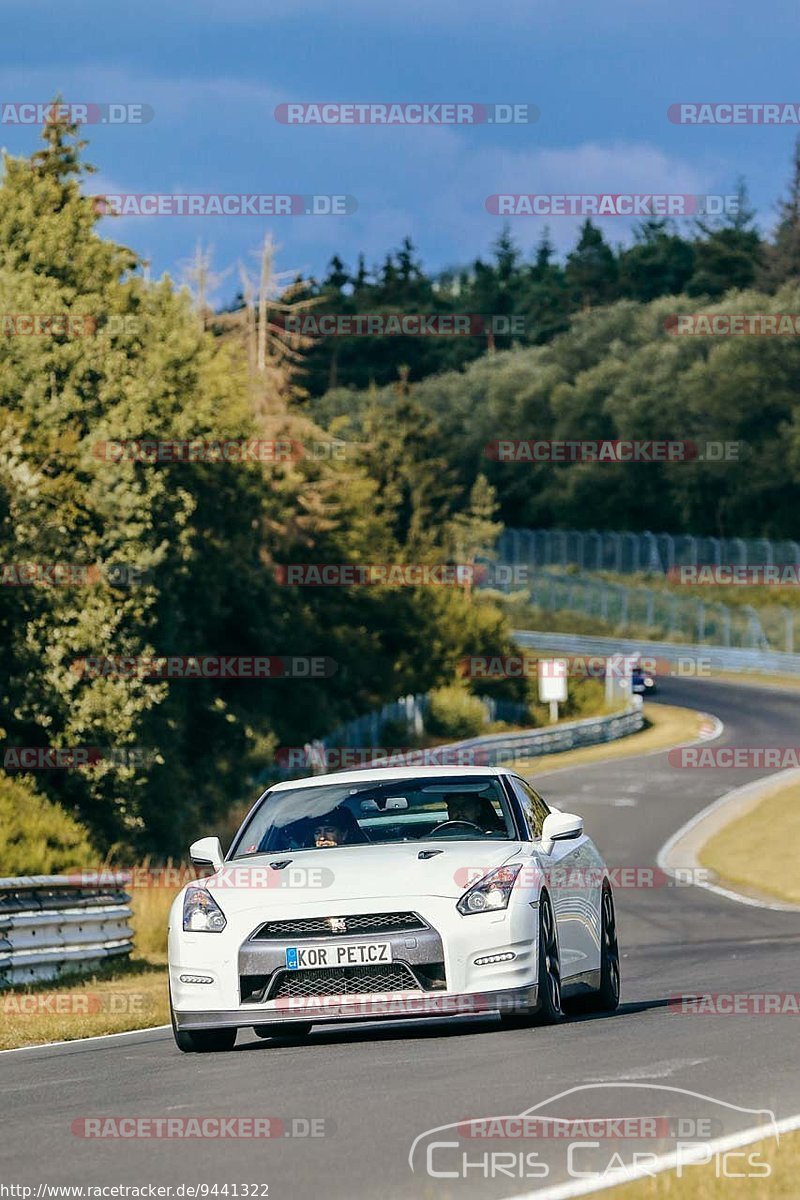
x,y
54,924
719,658
496,749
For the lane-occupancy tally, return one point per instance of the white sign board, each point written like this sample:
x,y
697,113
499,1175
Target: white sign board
x,y
553,680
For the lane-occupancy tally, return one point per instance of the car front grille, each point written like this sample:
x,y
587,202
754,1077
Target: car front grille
x,y
308,927
343,981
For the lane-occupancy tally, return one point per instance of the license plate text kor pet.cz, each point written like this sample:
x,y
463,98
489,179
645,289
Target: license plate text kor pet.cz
x,y
339,954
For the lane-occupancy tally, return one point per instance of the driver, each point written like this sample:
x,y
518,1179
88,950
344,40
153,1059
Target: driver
x,y
475,809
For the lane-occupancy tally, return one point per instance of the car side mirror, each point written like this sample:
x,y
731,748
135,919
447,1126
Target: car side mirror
x,y
207,852
561,827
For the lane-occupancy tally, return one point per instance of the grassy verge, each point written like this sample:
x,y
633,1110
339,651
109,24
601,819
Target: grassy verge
x,y
760,850
701,1182
665,726
757,679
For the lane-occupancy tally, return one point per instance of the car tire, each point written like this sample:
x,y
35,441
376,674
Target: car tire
x,y
549,1010
295,1029
201,1041
606,998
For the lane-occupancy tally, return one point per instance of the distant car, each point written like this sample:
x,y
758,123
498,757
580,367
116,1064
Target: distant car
x,y
642,683
392,892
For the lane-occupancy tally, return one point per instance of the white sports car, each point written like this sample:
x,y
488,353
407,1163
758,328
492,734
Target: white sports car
x,y
392,893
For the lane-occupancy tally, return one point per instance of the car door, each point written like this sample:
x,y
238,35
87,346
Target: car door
x,y
573,870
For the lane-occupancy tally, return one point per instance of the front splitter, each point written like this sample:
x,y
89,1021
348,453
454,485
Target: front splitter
x,y
398,1006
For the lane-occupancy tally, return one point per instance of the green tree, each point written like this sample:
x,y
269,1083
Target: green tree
x,y
592,269
783,252
729,254
659,263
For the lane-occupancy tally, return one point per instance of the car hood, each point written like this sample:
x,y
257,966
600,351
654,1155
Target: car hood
x,y
352,873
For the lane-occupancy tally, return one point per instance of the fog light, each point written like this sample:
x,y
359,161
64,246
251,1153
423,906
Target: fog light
x,y
493,958
197,979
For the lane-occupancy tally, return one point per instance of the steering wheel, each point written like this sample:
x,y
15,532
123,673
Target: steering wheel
x,y
446,825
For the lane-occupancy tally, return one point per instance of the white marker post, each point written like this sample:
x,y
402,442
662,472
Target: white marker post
x,y
553,684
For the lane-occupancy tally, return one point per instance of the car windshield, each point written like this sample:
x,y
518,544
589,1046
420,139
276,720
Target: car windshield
x,y
327,816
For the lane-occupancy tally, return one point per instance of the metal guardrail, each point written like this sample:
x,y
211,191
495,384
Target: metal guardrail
x,y
51,925
495,749
720,658
410,711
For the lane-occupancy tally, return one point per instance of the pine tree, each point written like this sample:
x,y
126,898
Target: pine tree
x,y
729,253
592,268
783,252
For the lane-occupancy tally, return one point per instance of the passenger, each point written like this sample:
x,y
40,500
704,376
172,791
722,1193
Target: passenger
x,y
337,828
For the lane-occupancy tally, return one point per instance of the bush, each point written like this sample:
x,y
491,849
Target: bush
x,y
38,837
454,713
585,698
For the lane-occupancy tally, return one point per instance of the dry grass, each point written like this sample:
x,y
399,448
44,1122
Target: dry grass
x,y
133,996
666,726
757,679
761,849
702,1183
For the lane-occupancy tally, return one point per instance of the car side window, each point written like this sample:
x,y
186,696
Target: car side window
x,y
533,806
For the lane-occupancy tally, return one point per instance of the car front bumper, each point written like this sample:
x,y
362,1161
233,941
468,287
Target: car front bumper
x,y
396,1006
468,984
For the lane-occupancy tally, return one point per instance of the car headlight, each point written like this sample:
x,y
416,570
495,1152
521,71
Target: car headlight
x,y
648,681
201,913
490,893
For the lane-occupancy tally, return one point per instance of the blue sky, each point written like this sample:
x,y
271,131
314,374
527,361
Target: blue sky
x,y
602,76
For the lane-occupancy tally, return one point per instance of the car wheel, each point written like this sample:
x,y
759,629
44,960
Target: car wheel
x,y
295,1029
550,1011
201,1041
606,998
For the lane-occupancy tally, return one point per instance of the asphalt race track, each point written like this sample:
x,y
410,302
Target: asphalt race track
x,y
380,1086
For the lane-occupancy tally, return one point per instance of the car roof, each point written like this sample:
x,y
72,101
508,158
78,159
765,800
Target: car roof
x,y
386,774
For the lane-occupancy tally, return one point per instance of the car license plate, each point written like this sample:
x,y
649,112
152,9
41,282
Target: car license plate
x,y
338,954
